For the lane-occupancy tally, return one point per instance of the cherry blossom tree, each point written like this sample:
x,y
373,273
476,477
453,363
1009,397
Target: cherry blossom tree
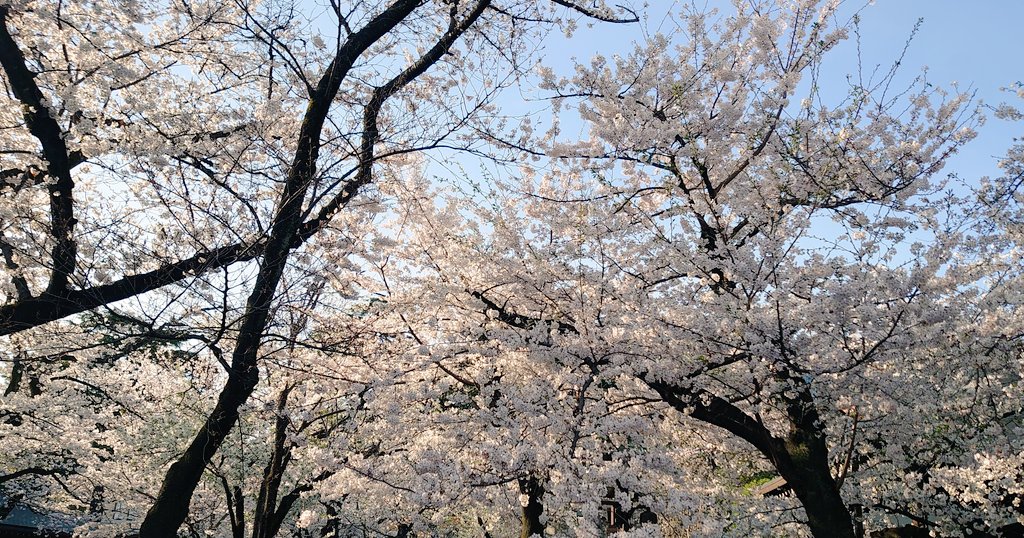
x,y
785,270
237,303
176,138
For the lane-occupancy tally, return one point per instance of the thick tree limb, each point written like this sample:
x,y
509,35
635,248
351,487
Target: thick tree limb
x,y
709,408
31,471
53,305
55,151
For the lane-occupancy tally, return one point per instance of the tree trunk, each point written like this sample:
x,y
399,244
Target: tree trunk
x,y
530,523
801,458
805,466
266,504
171,505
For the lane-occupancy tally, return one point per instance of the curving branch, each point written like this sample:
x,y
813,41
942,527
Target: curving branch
x,y
371,132
801,456
32,471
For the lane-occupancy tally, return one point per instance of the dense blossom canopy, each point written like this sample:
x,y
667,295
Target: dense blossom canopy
x,y
280,268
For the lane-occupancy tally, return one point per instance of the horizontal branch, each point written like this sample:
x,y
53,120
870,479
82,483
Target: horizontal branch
x,y
31,471
51,306
597,15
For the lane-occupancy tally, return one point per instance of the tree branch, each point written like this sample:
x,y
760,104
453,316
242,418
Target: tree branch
x,y
55,151
599,16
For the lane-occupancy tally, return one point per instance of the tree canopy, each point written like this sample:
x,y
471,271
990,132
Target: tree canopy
x,y
295,268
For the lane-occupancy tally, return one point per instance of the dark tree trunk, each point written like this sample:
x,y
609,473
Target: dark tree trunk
x,y
804,464
263,522
801,458
171,505
530,523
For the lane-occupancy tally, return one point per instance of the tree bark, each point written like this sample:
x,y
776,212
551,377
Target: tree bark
x,y
45,129
530,515
803,462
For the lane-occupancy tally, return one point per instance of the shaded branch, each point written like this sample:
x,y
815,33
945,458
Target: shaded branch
x,y
34,471
50,306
